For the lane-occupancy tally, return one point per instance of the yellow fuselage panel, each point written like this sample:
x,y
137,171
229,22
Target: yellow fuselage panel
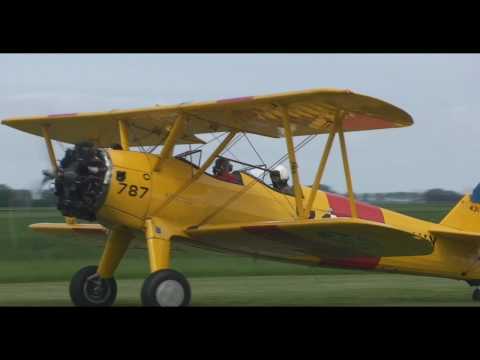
x,y
208,195
449,259
130,191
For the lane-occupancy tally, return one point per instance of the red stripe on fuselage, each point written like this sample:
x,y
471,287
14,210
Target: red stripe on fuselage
x,y
341,207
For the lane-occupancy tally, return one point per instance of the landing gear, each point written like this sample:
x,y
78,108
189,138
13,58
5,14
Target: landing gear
x,y
166,288
88,289
476,294
163,287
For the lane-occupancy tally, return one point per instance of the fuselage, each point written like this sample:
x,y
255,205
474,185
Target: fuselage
x,y
136,193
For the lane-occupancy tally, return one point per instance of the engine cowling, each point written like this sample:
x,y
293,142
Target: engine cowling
x,y
82,181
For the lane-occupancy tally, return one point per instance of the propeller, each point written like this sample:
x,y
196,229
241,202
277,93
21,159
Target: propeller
x,y
48,174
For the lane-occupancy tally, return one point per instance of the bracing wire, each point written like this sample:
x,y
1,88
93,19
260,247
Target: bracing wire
x,y
234,142
251,184
228,149
209,141
253,147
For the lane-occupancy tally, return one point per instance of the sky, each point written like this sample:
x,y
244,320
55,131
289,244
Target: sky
x,y
438,90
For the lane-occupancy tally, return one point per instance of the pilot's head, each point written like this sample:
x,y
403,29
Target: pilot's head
x,y
279,176
221,166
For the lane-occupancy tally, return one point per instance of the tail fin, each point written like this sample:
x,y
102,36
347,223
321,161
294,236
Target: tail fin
x,y
464,216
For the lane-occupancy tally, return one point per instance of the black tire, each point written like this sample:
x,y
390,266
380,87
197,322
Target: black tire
x,y
476,295
92,292
173,296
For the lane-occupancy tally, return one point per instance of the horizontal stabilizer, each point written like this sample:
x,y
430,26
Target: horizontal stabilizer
x,y
457,235
334,237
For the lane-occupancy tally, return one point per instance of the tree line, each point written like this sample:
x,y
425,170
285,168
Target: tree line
x,y
10,197
431,195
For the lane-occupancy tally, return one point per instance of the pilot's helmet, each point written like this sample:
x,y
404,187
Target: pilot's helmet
x,y
283,172
279,176
222,164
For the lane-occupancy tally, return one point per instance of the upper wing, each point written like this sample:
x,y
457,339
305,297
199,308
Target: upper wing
x,y
337,237
310,112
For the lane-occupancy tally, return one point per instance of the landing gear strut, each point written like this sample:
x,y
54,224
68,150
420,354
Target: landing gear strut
x,y
95,286
163,287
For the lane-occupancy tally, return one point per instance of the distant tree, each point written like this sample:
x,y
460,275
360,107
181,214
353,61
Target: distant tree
x,y
4,195
46,199
327,188
24,198
436,195
20,198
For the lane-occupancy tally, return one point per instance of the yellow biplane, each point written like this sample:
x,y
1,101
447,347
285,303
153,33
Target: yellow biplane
x,y
160,198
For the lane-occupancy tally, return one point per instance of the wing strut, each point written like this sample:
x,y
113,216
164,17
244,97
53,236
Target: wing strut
x,y
346,167
337,127
53,161
297,187
320,170
51,153
123,132
167,150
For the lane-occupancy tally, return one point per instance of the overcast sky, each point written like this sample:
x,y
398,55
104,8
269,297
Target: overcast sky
x,y
440,91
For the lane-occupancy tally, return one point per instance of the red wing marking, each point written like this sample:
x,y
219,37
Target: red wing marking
x,y
360,262
238,99
355,122
59,115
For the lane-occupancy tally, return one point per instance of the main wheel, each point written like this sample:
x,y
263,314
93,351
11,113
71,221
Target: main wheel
x,y
88,289
476,295
166,288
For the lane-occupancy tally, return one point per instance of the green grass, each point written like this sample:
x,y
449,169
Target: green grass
x,y
288,290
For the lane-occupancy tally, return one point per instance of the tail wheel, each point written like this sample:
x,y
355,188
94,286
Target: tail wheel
x,y
88,289
476,295
166,288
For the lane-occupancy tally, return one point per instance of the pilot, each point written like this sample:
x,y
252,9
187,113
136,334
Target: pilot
x,y
279,178
223,171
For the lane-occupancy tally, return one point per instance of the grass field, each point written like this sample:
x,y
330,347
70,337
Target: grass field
x,y
273,290
35,270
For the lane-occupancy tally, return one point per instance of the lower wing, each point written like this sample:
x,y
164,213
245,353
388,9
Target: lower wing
x,y
63,229
334,237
